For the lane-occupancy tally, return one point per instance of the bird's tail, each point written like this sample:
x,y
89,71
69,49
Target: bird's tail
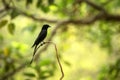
x,y
35,49
32,45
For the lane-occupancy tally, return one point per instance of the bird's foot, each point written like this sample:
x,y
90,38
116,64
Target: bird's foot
x,y
42,43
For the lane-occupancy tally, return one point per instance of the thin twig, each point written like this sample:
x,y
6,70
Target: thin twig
x,y
35,50
57,56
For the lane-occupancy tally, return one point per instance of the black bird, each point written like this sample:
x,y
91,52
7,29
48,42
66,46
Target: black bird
x,y
40,38
41,35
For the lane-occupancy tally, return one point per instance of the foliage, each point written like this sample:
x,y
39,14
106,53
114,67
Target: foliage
x,y
100,24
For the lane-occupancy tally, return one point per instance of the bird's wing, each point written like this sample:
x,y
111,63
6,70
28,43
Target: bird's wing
x,y
40,37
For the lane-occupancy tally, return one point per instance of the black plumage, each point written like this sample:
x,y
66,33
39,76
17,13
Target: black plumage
x,y
41,35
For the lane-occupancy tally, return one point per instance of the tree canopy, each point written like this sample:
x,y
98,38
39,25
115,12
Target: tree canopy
x,y
86,32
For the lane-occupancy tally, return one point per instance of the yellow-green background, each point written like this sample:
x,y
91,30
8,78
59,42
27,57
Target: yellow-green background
x,y
87,51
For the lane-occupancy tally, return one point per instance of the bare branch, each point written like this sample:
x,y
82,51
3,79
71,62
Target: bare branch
x,y
6,5
95,6
2,10
57,56
8,74
3,15
111,17
103,15
107,2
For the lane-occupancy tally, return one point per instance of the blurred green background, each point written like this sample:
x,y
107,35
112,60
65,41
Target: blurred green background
x,y
86,32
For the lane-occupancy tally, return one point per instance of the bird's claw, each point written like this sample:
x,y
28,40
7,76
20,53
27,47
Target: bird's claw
x,y
42,43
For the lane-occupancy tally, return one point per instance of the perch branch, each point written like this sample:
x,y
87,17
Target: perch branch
x,y
57,56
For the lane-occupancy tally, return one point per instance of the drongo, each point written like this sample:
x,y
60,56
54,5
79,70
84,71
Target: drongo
x,y
40,38
41,35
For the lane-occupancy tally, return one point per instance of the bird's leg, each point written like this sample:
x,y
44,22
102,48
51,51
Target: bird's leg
x,y
35,49
42,43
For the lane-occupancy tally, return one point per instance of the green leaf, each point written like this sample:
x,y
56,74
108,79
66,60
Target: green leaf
x,y
67,63
44,8
39,2
3,23
28,2
44,77
29,74
14,13
28,79
1,38
117,3
45,62
31,28
50,2
11,28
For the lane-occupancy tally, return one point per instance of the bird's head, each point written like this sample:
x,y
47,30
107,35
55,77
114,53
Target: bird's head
x,y
45,26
